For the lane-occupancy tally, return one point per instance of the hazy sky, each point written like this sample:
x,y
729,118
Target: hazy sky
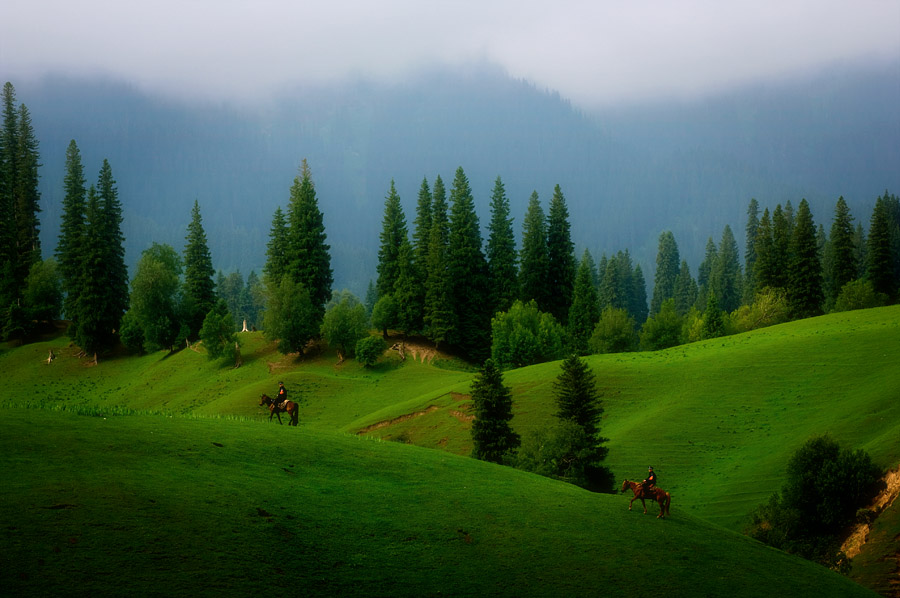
x,y
593,52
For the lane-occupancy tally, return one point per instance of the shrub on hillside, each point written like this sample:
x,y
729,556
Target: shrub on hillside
x,y
769,307
614,333
344,323
662,330
369,349
826,486
525,335
859,294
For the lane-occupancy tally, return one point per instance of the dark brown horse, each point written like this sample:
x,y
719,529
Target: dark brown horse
x,y
658,494
292,409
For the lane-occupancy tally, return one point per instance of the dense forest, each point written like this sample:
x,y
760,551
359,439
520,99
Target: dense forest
x,y
443,281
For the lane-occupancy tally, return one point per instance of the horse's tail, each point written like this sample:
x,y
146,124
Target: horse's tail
x,y
668,502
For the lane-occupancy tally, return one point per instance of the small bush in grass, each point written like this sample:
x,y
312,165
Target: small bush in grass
x,y
859,294
369,349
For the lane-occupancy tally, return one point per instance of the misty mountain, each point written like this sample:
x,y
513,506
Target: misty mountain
x,y
627,172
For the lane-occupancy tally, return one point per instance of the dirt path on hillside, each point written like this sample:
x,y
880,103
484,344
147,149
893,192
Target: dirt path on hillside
x,y
854,543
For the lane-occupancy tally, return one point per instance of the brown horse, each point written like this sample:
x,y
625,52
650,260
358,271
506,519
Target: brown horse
x,y
292,409
658,494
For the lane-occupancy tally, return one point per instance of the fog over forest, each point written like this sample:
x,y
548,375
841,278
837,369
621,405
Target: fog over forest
x,y
627,173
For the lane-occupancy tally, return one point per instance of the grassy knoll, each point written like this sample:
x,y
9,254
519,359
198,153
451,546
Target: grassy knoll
x,y
155,505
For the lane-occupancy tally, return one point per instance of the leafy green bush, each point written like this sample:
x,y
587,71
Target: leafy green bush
x,y
344,323
369,349
525,335
614,333
859,294
826,485
662,330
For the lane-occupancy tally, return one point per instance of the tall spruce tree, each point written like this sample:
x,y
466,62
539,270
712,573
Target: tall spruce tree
x,y
116,277
277,251
406,291
310,261
725,277
638,303
26,197
764,268
685,290
667,267
501,252
534,261
804,291
199,288
560,258
752,230
782,229
585,310
492,436
704,272
393,235
842,252
467,267
438,314
72,229
879,267
10,288
862,250
422,233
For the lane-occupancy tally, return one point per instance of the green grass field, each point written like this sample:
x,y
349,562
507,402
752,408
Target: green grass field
x,y
127,500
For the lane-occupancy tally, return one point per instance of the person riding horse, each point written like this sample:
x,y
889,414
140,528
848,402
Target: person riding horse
x,y
281,399
648,484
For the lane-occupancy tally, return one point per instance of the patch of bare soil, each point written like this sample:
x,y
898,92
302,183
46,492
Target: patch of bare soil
x,y
860,534
396,420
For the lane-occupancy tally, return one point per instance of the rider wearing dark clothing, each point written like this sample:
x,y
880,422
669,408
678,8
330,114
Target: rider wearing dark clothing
x,y
282,395
650,482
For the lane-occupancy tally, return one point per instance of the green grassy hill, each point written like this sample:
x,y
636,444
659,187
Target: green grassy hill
x,y
718,420
175,506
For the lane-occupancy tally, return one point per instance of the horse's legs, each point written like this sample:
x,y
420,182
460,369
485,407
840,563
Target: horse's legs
x,y
279,418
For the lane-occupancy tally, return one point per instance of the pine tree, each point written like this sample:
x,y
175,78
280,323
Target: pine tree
x,y
752,230
26,197
560,258
199,288
862,250
116,278
879,268
842,252
725,277
638,304
804,291
577,397
393,235
534,261
501,252
685,290
782,229
492,436
406,292
9,287
72,229
585,310
704,272
764,268
438,312
667,263
467,268
713,323
613,288
422,234
277,250
310,262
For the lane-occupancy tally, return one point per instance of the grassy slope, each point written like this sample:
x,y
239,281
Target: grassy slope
x,y
717,419
155,505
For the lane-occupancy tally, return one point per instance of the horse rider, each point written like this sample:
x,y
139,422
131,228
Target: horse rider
x,y
281,399
648,484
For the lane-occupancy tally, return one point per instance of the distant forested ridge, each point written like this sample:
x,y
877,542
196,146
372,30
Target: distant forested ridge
x,y
628,172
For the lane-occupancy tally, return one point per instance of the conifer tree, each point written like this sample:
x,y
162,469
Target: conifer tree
x,y
667,265
116,278
467,268
782,229
578,400
879,268
501,252
685,290
862,250
438,313
393,235
422,234
406,292
310,261
704,272
842,253
10,288
585,310
199,288
492,436
725,277
804,291
71,229
277,250
560,258
638,304
752,230
535,261
26,197
764,268
713,323
613,288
